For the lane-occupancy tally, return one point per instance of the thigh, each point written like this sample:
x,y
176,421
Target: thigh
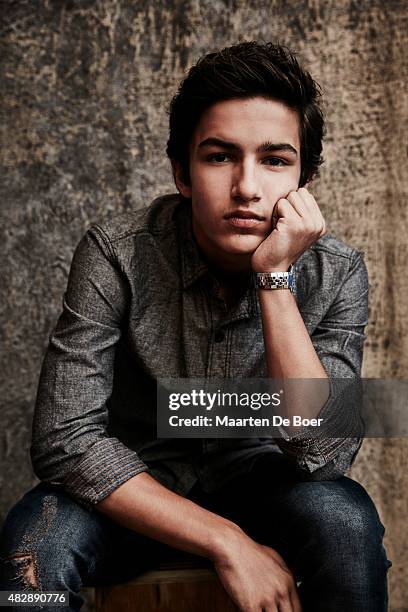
x,y
277,508
283,505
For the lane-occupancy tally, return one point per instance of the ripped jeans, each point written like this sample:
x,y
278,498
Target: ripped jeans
x,y
328,532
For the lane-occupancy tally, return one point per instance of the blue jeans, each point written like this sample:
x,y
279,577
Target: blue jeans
x,y
328,532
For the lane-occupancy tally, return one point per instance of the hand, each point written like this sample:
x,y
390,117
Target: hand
x,y
256,577
297,223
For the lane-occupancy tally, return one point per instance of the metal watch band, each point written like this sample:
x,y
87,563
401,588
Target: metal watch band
x,y
276,280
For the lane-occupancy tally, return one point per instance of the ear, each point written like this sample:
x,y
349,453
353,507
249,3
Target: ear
x,y
184,189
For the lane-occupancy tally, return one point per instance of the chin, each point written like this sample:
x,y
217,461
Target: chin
x,y
242,246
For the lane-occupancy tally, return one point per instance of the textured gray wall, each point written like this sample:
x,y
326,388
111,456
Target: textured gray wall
x,y
84,90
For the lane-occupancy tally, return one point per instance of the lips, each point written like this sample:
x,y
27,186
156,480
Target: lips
x,y
244,214
243,219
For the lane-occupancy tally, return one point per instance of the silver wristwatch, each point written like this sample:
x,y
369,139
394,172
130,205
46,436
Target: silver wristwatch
x,y
276,280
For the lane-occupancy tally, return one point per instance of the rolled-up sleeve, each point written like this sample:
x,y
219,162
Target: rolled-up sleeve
x,y
338,341
71,446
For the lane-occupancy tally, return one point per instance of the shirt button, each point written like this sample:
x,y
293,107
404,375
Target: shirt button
x,y
219,336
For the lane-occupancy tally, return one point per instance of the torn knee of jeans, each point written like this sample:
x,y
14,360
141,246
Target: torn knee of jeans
x,y
27,571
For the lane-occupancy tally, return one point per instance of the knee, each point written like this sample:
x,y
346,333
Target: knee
x,y
37,544
345,509
343,518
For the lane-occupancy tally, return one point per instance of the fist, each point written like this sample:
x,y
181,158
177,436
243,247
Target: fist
x,y
296,224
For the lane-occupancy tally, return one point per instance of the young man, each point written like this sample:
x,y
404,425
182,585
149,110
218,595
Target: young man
x,y
185,288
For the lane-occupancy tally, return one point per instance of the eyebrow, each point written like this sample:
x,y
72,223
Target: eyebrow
x,y
265,147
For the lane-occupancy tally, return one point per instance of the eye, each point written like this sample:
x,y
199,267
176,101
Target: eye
x,y
274,161
218,157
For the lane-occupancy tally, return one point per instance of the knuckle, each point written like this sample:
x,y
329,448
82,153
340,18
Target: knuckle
x,y
282,594
285,585
288,580
283,205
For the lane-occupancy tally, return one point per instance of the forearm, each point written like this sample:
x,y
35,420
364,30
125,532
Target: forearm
x,y
250,572
147,507
288,347
290,354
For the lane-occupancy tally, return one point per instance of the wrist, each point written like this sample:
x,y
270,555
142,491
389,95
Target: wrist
x,y
275,269
265,267
222,541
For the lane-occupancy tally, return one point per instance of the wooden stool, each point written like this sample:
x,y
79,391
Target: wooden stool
x,y
185,584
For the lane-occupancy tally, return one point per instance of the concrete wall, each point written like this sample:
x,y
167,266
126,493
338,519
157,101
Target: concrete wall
x,y
84,90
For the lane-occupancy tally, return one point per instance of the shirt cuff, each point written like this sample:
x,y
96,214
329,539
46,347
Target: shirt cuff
x,y
101,470
342,427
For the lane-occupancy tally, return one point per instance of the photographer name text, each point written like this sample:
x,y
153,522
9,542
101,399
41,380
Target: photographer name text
x,y
227,421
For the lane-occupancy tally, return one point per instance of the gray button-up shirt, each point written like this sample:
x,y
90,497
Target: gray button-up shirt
x,y
141,305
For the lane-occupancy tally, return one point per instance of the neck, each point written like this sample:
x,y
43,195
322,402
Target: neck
x,y
224,264
228,272
229,277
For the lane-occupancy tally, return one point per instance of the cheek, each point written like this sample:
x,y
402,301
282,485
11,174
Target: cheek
x,y
209,195
281,188
210,182
208,178
203,208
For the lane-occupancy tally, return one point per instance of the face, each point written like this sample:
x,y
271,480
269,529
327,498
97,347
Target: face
x,y
244,157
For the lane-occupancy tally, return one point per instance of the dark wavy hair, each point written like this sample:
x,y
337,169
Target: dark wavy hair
x,y
246,70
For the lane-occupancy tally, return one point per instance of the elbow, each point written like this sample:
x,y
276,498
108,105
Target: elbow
x,y
335,466
50,461
41,462
330,471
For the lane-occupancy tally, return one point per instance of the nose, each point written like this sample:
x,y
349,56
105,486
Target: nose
x,y
245,186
